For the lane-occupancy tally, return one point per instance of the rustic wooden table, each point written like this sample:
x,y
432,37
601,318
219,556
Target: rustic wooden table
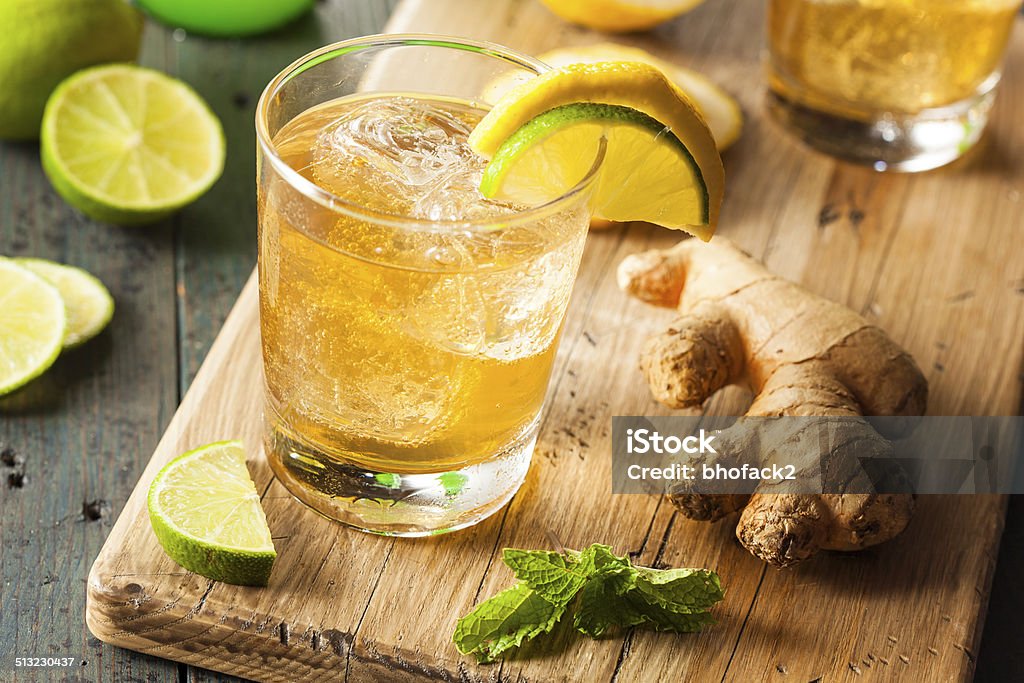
x,y
82,434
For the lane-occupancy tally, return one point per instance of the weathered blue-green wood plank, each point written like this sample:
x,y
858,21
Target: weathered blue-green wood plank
x,y
216,237
216,247
81,433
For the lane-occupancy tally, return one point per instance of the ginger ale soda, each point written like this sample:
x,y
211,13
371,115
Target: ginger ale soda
x,y
409,325
899,84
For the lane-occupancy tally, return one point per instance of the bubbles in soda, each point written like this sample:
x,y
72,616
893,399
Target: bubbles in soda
x,y
414,152
406,347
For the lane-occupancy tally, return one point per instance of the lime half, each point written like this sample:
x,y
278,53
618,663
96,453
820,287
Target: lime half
x,y
129,145
32,324
207,515
88,304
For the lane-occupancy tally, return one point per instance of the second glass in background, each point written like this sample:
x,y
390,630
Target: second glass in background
x,y
902,85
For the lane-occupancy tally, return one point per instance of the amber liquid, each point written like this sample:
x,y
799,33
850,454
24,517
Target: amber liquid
x,y
863,58
387,345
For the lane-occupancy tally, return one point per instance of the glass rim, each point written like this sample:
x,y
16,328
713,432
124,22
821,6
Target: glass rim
x,y
337,204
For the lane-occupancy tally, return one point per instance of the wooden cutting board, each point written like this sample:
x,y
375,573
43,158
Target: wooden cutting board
x,y
936,259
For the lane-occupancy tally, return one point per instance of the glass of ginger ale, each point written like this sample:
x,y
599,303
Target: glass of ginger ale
x,y
902,85
409,325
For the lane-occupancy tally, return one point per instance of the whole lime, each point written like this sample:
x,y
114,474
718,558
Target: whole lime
x,y
226,18
45,41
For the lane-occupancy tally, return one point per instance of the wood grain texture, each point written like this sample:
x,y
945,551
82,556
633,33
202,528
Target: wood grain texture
x,y
83,432
924,256
215,248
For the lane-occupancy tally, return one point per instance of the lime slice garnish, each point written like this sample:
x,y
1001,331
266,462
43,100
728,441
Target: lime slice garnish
x,y
87,302
32,325
661,163
129,145
207,515
719,109
649,173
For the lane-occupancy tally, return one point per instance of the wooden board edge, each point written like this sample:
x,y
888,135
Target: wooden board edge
x,y
120,613
985,588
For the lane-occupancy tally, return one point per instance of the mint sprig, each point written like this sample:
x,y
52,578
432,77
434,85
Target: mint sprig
x,y
599,588
512,616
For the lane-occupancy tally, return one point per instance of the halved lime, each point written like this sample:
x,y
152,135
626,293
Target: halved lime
x,y
129,145
206,513
661,162
32,324
87,302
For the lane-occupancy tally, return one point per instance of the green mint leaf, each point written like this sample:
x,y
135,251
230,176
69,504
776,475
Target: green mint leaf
x,y
598,557
619,594
388,480
662,619
611,593
453,483
554,576
679,590
602,603
505,621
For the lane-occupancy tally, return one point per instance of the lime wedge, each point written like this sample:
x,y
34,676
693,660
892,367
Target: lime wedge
x,y
87,302
719,109
206,513
32,325
661,162
129,145
649,174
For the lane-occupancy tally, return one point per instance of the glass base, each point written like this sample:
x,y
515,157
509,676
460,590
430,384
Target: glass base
x,y
892,142
400,504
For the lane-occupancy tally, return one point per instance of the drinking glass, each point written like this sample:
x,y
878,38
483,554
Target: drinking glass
x,y
408,327
902,85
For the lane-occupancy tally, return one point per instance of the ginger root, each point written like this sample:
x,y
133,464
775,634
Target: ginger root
x,y
800,354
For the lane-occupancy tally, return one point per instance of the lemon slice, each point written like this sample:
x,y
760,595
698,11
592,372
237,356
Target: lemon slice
x,y
129,145
206,513
32,324
661,163
721,112
88,304
618,16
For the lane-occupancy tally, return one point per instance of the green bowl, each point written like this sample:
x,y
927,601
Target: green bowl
x,y
226,18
